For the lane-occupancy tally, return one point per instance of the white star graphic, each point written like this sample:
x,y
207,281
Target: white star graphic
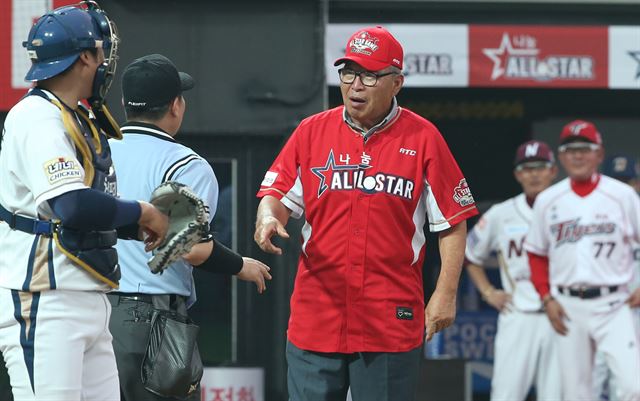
x,y
636,56
495,55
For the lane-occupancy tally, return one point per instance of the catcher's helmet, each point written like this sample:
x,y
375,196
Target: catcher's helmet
x,y
56,40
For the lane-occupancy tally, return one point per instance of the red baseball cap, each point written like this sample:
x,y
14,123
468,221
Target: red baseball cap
x,y
580,129
374,49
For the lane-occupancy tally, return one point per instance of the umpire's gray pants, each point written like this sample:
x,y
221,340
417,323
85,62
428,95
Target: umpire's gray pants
x,y
130,326
372,376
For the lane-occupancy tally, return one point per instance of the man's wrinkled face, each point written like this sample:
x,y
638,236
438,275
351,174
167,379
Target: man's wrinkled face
x,y
368,105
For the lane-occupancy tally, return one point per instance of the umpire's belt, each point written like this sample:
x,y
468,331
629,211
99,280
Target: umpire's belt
x,y
587,292
169,299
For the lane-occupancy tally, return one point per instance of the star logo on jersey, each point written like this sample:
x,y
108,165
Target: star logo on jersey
x,y
349,177
329,168
636,56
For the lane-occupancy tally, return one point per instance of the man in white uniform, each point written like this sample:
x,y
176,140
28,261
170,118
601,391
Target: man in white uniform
x,y
623,168
580,253
524,351
59,217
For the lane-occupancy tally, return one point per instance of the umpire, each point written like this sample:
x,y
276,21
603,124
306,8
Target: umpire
x,y
152,91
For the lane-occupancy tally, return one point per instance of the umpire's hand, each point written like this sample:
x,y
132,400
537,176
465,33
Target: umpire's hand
x,y
255,271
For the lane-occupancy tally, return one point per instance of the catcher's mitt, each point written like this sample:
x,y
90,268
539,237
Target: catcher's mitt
x,y
188,222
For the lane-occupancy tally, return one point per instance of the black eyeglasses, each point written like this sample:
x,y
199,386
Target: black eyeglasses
x,y
347,76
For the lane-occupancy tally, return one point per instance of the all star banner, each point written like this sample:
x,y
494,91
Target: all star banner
x,y
509,56
538,56
435,55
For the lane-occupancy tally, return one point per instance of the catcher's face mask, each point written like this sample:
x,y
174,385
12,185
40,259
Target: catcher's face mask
x,y
106,71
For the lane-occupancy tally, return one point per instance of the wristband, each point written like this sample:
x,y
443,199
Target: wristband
x,y
222,260
129,231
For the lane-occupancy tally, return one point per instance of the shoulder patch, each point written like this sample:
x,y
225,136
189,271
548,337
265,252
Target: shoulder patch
x,y
269,178
462,193
60,169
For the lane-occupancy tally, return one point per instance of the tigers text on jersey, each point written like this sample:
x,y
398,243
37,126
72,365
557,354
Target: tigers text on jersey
x,y
588,239
503,229
359,281
38,162
167,161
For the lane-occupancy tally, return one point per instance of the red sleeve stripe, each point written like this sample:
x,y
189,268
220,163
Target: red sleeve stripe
x,y
539,273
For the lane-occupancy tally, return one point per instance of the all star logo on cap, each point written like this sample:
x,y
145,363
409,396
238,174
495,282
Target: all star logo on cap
x,y
374,49
364,43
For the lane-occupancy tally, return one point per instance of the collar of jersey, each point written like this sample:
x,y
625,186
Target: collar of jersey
x,y
522,207
388,120
584,188
140,128
52,96
48,93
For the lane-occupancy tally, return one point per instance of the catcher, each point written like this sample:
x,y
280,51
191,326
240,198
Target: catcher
x,y
152,91
59,215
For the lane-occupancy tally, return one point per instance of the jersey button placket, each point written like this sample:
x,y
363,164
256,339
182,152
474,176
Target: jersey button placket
x,y
357,247
355,272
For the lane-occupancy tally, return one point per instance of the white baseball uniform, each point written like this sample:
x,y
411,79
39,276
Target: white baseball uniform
x,y
524,345
603,382
588,240
54,315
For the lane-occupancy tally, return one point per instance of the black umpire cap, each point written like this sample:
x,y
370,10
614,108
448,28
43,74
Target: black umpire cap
x,y
152,81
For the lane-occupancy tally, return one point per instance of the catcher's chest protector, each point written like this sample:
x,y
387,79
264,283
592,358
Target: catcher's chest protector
x,y
91,250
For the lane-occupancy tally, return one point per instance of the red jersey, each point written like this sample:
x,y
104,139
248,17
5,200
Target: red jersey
x,y
359,282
